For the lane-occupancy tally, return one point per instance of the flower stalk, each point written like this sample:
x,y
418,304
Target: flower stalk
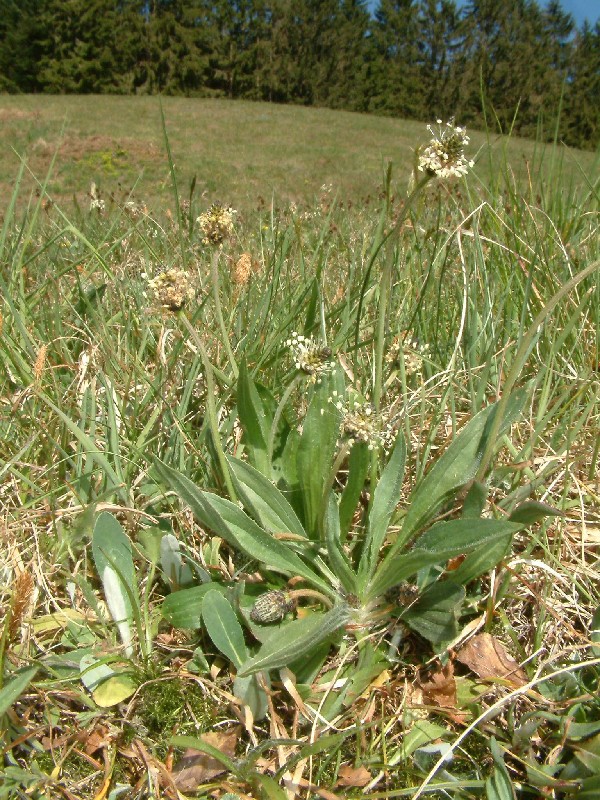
x,y
211,408
214,276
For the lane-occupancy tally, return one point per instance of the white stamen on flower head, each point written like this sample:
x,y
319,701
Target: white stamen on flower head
x,y
444,156
310,357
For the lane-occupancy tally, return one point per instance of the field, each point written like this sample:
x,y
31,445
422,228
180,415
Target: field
x,y
300,456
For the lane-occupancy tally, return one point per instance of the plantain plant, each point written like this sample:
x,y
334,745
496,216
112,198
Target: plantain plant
x,y
349,568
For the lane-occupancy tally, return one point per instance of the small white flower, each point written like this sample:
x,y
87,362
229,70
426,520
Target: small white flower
x,y
171,289
216,224
444,156
310,357
361,423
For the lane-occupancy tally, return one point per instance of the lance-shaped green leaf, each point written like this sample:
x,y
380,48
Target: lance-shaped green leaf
x,y
295,640
435,614
250,692
268,505
442,541
455,467
316,451
15,688
385,500
253,420
232,524
111,550
183,609
533,511
338,560
482,559
223,627
359,461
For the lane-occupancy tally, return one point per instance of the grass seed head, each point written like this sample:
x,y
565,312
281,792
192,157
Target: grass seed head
x,y
40,363
243,269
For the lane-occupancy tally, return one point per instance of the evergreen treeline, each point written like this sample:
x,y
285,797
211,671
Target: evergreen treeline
x,y
413,58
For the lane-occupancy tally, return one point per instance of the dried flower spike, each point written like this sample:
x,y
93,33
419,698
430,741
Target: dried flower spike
x,y
271,607
444,156
310,357
243,269
216,224
171,289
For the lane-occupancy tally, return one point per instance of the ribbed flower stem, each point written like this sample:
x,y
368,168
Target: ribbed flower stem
x,y
211,408
214,276
384,293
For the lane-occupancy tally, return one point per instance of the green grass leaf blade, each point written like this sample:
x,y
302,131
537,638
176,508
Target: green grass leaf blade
x,y
90,446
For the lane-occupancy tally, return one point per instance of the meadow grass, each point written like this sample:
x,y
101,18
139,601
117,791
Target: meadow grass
x,y
246,154
98,383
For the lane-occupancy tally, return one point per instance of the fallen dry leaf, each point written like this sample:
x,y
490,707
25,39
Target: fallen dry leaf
x,y
440,690
195,768
353,776
488,658
98,738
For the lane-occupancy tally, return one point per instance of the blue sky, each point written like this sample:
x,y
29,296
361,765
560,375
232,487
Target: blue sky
x,y
580,9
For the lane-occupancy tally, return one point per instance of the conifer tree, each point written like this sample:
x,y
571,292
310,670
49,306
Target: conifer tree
x,y
396,88
582,111
439,39
85,49
505,64
24,40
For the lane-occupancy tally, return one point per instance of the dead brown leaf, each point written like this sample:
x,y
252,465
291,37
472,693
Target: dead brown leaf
x,y
196,768
440,690
98,738
488,658
353,776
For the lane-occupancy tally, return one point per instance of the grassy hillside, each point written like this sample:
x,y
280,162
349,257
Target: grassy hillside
x,y
239,152
310,488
